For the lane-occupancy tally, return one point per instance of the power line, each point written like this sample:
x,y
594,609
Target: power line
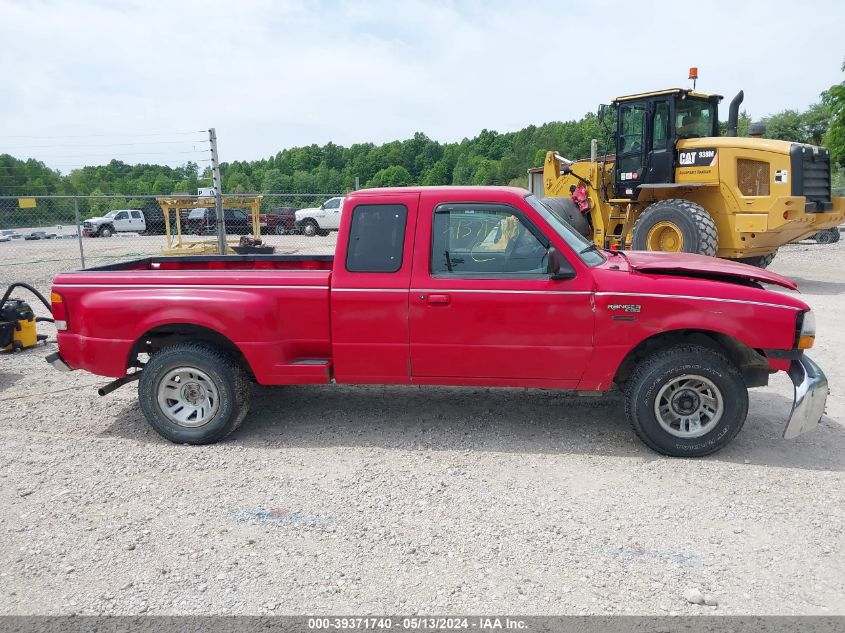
x,y
195,151
194,142
105,135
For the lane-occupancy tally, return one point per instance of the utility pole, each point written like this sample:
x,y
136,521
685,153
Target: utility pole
x,y
218,192
78,231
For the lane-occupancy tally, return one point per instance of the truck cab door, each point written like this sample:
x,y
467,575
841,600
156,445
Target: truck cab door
x,y
122,222
484,308
659,166
138,222
630,148
370,280
332,213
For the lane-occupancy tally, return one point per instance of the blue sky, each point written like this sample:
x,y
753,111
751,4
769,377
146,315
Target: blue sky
x,y
269,75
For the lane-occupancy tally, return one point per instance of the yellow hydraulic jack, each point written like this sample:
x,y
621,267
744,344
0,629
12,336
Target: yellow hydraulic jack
x,y
17,321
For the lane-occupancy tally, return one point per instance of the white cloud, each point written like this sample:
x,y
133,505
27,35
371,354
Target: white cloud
x,y
270,75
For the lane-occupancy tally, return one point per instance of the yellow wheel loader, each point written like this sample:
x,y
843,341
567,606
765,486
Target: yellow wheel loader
x,y
674,184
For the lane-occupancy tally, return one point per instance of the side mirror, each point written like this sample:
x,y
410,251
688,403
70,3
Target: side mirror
x,y
322,206
559,266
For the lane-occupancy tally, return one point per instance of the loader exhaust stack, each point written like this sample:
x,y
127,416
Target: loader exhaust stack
x,y
733,113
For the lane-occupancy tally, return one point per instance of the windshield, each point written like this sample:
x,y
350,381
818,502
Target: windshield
x,y
111,214
694,118
586,250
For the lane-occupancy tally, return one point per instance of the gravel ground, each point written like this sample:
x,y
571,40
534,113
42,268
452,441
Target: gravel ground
x,y
400,500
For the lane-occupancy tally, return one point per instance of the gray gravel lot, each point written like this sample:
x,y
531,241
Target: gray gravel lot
x,y
400,500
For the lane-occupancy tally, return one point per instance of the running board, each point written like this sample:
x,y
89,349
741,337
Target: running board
x,y
303,371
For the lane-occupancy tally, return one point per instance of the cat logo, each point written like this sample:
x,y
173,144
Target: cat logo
x,y
697,158
686,158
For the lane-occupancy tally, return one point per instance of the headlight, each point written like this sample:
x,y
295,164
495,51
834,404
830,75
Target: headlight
x,y
806,330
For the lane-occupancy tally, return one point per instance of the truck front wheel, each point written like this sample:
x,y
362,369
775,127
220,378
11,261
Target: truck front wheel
x,y
686,401
106,231
193,393
310,227
675,225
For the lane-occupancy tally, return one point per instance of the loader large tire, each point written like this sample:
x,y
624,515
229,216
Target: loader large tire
x,y
676,226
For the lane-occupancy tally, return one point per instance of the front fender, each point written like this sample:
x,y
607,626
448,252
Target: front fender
x,y
624,321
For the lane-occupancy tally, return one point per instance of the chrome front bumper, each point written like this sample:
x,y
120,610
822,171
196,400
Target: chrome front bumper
x,y
810,397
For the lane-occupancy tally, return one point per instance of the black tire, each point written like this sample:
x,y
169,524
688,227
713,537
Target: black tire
x,y
828,236
695,225
667,365
760,261
310,227
568,210
105,231
280,230
223,371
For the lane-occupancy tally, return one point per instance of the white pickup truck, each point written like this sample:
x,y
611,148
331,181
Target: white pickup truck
x,y
320,220
117,221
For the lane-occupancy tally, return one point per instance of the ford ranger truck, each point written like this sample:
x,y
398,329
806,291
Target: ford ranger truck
x,y
472,286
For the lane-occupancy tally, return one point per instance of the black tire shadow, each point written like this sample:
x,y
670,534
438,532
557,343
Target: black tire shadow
x,y
495,420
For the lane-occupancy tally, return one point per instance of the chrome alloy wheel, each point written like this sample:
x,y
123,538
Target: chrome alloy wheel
x,y
689,406
188,397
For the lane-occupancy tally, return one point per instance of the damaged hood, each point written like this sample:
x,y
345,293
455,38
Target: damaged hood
x,y
702,266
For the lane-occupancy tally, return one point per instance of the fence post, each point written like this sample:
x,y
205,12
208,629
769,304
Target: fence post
x,y
79,231
218,192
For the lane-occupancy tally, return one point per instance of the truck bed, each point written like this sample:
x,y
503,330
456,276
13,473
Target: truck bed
x,y
274,308
218,262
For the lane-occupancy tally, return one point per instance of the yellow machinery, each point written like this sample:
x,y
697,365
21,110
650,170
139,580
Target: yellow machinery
x,y
17,320
177,244
674,184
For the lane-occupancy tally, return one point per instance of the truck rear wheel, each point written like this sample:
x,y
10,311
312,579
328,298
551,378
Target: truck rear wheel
x,y
193,393
675,225
686,401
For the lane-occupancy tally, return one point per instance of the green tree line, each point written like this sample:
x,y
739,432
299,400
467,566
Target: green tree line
x,y
490,158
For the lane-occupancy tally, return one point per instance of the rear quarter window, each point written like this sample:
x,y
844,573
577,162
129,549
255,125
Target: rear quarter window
x,y
376,238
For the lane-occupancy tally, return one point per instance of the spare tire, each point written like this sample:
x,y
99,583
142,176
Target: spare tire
x,y
828,236
760,261
568,210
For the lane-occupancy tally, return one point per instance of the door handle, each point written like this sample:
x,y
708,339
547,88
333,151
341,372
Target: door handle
x,y
439,300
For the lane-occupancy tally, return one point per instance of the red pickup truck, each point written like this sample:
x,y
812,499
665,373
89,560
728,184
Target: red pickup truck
x,y
475,286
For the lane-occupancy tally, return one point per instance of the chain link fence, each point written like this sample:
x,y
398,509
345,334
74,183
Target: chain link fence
x,y
41,236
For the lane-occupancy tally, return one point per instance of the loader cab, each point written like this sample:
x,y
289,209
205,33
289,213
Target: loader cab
x,y
648,126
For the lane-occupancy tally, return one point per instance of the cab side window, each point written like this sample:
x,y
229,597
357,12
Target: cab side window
x,y
661,125
136,215
631,133
486,241
123,215
376,238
